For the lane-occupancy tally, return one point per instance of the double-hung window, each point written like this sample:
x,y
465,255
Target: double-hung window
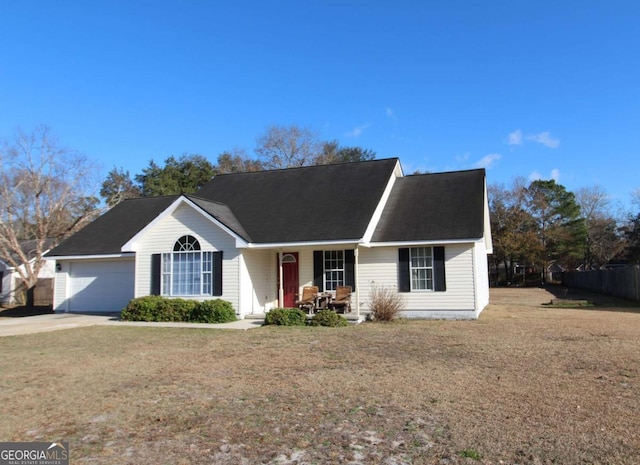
x,y
187,271
421,268
333,269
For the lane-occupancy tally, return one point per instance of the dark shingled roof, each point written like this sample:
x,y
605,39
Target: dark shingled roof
x,y
109,232
440,206
309,204
315,203
222,213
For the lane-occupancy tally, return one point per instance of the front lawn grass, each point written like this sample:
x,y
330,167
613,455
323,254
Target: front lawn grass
x,y
524,384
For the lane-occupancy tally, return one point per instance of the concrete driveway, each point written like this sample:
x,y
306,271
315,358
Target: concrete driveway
x,y
56,321
50,322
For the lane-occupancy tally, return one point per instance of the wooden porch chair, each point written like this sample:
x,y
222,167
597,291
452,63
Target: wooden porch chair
x,y
308,300
342,300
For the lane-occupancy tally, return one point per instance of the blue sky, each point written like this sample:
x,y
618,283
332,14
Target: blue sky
x,y
537,89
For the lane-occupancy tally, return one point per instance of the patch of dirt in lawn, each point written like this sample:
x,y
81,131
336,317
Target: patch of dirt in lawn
x,y
523,384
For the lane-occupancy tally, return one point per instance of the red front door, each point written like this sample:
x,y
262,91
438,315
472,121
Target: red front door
x,y
290,284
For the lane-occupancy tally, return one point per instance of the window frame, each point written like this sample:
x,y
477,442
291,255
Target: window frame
x,y
333,257
187,258
429,270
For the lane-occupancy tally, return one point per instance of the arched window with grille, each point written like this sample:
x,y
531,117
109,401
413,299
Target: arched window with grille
x,y
188,270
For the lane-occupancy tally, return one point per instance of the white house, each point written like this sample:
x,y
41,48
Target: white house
x,y
255,239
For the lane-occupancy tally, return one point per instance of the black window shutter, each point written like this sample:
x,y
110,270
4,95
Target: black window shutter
x,y
217,274
318,269
156,267
440,283
404,280
349,268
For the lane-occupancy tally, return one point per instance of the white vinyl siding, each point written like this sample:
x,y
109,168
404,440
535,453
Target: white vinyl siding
x,y
481,275
60,297
379,266
258,275
162,237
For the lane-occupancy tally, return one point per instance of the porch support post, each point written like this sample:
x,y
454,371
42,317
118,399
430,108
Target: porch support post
x,y
280,287
355,277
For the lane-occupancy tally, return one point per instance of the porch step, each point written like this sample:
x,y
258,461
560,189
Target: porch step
x,y
254,316
353,317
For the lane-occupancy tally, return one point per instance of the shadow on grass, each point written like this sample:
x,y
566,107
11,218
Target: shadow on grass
x,y
22,311
596,302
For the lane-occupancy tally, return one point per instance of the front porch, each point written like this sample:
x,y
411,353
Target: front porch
x,y
278,278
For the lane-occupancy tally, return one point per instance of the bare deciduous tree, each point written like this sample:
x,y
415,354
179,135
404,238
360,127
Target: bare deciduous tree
x,y
603,242
287,147
43,197
236,161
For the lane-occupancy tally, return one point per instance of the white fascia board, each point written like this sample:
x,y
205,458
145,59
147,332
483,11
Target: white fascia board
x,y
488,240
377,213
130,246
293,245
418,243
92,257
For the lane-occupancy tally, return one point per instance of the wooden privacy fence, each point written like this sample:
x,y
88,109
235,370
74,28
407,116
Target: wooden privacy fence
x,y
620,282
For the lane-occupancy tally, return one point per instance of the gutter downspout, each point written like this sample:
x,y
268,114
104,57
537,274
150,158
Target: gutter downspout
x,y
280,287
356,265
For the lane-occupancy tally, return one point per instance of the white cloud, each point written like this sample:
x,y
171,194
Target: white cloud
x,y
488,160
390,113
544,138
515,137
357,131
536,176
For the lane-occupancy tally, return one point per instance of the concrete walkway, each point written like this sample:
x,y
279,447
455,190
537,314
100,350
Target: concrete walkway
x,y
56,321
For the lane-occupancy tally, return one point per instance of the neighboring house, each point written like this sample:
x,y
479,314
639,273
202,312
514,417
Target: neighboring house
x,y
12,290
255,239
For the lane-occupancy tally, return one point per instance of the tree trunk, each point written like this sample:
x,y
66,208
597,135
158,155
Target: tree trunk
x,y
31,301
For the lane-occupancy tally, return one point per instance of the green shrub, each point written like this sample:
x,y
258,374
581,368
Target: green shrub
x,y
285,317
328,318
139,309
157,308
213,311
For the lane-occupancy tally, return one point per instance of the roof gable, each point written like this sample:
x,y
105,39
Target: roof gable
x,y
434,207
213,211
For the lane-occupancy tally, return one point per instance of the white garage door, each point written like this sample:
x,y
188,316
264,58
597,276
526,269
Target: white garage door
x,y
101,286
